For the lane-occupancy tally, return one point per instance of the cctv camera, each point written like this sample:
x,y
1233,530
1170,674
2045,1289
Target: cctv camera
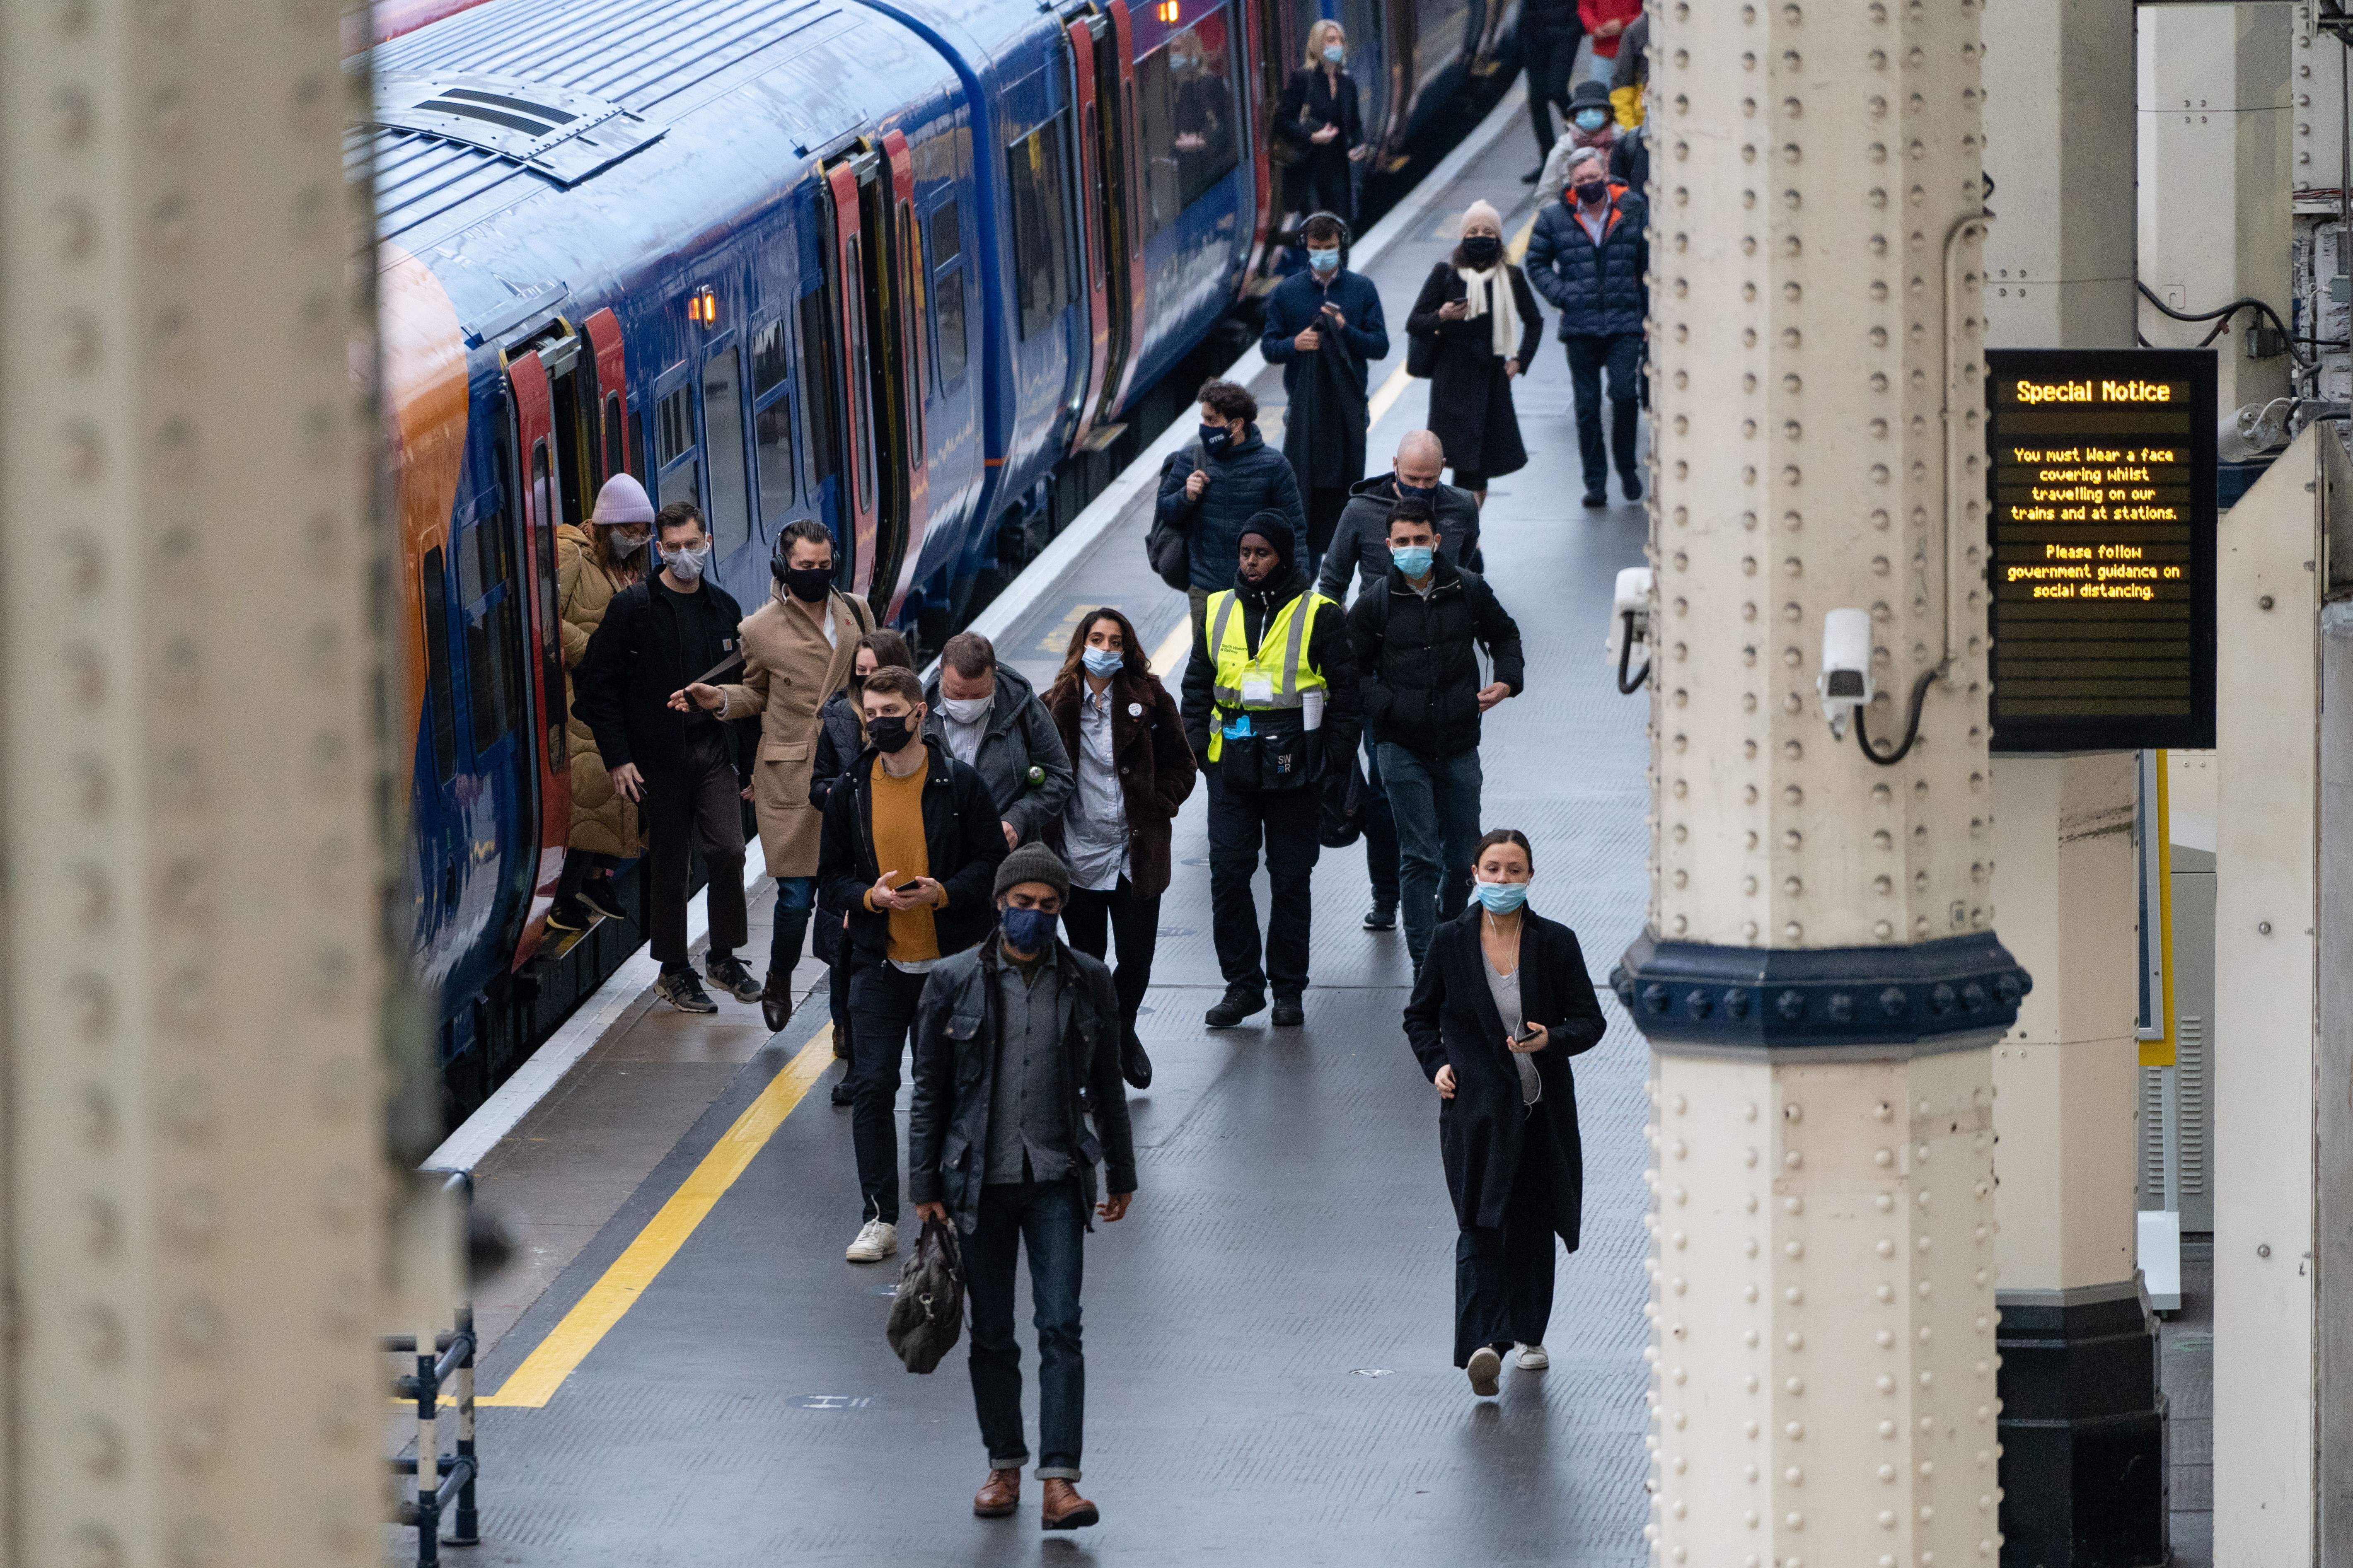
x,y
1845,682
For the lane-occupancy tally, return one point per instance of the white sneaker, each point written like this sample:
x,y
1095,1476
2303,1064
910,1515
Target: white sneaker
x,y
876,1241
1485,1368
1533,1357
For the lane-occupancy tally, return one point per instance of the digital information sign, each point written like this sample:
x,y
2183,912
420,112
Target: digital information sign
x,y
2102,547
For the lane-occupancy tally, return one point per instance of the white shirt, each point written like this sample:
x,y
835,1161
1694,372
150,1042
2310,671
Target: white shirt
x,y
1095,823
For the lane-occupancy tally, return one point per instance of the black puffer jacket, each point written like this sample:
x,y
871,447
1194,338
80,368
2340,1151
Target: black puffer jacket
x,y
840,738
1416,658
1598,288
1251,477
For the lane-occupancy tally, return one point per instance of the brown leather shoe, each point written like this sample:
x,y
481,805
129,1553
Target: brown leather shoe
x,y
840,1044
999,1495
777,1002
1064,1509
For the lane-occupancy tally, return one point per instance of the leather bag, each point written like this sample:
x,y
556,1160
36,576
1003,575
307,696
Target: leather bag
x,y
927,1313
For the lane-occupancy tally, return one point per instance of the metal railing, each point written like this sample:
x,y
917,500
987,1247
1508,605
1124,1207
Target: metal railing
x,y
446,1366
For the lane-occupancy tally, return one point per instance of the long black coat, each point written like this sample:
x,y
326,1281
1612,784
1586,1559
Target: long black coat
x,y
1470,410
1452,1020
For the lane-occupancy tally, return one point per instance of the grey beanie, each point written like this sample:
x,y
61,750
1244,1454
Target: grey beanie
x,y
1032,863
622,501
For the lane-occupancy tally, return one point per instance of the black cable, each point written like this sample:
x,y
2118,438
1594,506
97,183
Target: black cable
x,y
1626,656
2223,317
1911,724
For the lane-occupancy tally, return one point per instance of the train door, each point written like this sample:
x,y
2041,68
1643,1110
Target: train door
x,y
545,454
1093,196
610,427
1103,75
856,520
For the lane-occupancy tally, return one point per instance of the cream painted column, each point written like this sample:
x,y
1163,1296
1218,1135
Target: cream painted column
x,y
193,863
2215,176
1820,982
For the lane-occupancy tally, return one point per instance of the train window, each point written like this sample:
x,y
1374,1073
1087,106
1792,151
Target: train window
x,y
551,620
770,358
673,427
820,388
617,460
947,239
440,701
948,290
1041,226
722,431
772,440
1185,93
493,638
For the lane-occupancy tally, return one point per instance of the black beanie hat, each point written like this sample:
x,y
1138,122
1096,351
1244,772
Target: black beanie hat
x,y
1274,527
1032,863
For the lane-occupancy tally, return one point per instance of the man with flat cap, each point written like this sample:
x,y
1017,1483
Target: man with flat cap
x,y
1270,704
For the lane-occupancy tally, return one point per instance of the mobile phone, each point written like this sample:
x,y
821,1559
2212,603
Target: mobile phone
x,y
1527,1032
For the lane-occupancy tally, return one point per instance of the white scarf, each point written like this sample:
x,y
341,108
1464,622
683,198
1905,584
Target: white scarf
x,y
1504,331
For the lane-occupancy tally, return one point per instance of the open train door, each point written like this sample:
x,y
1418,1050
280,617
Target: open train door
x,y
846,254
612,423
1116,238
900,284
1095,205
539,480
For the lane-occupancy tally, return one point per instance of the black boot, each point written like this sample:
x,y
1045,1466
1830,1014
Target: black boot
x,y
1240,1003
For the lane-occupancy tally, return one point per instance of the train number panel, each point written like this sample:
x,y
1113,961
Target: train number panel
x,y
2102,485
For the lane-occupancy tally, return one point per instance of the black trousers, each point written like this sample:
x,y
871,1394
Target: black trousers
x,y
1091,915
1325,182
1285,820
1620,354
698,803
1323,510
882,1009
1503,1276
1550,58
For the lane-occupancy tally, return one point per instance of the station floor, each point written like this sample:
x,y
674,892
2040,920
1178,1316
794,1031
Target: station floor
x,y
1268,1334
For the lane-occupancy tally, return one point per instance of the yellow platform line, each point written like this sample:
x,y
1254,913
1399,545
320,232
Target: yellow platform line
x,y
1386,398
1519,251
1173,647
610,1299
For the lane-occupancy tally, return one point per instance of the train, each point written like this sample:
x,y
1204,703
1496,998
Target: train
x,y
899,265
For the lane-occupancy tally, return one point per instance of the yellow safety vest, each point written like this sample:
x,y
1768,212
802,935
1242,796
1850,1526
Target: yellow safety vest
x,y
1281,662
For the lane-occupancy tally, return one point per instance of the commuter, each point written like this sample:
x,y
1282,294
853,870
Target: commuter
x,y
1317,119
840,737
1270,701
989,718
1418,670
1629,160
1016,1040
1125,736
680,768
1322,326
1478,311
1588,256
1360,546
1629,74
1503,1003
798,649
1549,34
1213,485
1607,21
1592,123
591,567
909,848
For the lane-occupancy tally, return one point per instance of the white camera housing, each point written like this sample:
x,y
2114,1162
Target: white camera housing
x,y
1845,682
1634,593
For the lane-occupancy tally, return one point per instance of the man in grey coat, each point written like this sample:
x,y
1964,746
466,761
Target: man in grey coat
x,y
990,720
1360,545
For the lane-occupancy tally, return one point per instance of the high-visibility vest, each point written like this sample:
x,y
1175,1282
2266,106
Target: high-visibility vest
x,y
1281,660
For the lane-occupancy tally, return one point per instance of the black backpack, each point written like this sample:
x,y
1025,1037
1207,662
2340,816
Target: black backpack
x,y
927,1313
1167,549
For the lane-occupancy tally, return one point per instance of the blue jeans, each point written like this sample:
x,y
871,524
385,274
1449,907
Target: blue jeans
x,y
1436,805
795,895
1049,1219
1380,834
1620,354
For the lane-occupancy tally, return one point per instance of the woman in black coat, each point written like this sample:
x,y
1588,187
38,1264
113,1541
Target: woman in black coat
x,y
1478,324
1317,118
1503,1001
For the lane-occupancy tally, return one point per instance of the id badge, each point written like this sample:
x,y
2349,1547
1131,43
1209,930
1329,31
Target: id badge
x,y
1257,689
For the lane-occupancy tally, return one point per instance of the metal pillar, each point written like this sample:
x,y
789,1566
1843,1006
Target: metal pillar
x,y
1820,982
193,855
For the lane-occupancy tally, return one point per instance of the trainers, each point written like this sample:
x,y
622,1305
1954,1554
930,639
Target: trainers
x,y
876,1239
1288,1013
727,972
1381,917
596,894
1240,1003
681,990
1485,1368
1533,1357
568,914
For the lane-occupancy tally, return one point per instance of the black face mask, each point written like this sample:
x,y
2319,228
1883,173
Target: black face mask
x,y
1594,194
1424,492
1216,439
891,733
810,584
1481,251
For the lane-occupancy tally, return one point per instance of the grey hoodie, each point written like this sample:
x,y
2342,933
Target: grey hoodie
x,y
1020,740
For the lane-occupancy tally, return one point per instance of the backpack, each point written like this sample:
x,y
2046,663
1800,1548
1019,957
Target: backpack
x,y
927,1312
1166,547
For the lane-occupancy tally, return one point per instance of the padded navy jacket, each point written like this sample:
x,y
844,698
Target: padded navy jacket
x,y
1597,288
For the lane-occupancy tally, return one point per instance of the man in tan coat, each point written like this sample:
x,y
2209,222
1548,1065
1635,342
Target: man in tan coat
x,y
797,651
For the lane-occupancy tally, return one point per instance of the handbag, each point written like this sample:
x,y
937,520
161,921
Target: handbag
x,y
1166,547
1421,352
927,1311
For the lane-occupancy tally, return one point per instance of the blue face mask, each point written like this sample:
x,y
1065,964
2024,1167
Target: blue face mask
x,y
1102,660
1424,492
1029,930
1324,261
1215,439
1334,54
1413,560
1591,120
1500,897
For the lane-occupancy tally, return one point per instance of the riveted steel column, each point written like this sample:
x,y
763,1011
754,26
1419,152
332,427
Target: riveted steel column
x,y
1820,981
192,865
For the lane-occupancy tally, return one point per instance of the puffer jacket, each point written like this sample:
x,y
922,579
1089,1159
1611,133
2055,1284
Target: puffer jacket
x,y
1020,757
1251,477
1598,288
603,822
840,736
1360,544
1416,658
956,1028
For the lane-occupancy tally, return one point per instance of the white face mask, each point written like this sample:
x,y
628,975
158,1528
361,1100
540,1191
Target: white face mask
x,y
967,709
687,563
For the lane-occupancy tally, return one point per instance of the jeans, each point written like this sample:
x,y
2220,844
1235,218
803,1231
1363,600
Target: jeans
x,y
1620,354
882,1009
698,802
1502,1278
1287,820
1380,835
1091,916
1436,804
795,897
1049,1219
